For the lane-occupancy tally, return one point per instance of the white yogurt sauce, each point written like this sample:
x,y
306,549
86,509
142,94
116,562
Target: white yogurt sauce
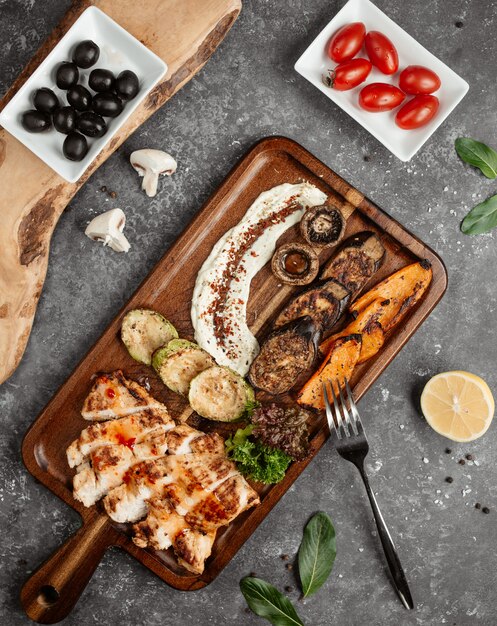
x,y
238,347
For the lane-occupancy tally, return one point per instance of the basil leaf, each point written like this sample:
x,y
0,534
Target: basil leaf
x,y
266,601
316,553
481,218
477,154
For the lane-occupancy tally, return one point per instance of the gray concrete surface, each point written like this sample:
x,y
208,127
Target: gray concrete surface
x,y
249,90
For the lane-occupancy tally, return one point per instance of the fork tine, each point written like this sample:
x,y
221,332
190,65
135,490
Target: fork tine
x,y
353,407
340,421
350,422
329,413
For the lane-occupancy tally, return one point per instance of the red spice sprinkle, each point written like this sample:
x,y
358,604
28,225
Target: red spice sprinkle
x,y
129,443
219,308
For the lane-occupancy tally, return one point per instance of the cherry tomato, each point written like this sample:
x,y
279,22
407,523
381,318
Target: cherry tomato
x,y
377,97
416,79
417,112
348,74
382,52
346,42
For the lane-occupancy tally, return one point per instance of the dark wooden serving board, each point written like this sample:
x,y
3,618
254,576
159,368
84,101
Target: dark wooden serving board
x,y
184,34
168,289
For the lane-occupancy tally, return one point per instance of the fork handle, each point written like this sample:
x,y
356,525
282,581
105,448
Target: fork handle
x,y
398,575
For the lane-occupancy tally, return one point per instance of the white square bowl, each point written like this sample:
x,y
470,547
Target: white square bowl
x,y
118,51
314,62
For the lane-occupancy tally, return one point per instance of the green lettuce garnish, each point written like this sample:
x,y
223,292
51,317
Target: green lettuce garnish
x,y
256,460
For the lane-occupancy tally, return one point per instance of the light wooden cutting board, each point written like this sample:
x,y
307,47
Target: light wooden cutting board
x,y
184,33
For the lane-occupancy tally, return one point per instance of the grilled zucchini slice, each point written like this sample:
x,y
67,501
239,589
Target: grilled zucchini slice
x,y
221,394
143,331
179,362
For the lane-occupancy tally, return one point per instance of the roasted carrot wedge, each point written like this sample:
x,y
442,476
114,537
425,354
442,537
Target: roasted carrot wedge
x,y
402,289
338,365
366,324
383,306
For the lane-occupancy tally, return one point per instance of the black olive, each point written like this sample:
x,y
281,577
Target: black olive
x,y
107,104
36,121
127,85
86,54
101,80
67,75
91,124
79,97
64,120
75,147
45,100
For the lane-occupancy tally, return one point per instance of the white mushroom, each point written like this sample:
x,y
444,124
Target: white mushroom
x,y
108,228
151,164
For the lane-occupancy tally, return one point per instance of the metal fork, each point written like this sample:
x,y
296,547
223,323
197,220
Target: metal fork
x,y
353,446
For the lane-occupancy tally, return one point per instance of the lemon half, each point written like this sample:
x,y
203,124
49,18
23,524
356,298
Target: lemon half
x,y
458,405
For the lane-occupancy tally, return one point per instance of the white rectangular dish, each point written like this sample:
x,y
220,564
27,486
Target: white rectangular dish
x,y
118,51
404,144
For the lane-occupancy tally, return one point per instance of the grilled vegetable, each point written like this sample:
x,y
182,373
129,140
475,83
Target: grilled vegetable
x,y
285,355
402,289
357,260
220,394
365,324
295,264
338,365
324,303
322,225
379,309
179,362
143,331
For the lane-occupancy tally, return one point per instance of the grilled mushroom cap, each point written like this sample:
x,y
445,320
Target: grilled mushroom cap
x,y
322,225
295,264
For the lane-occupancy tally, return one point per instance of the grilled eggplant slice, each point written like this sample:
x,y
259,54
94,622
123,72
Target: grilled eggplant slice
x,y
355,263
179,362
222,395
322,225
143,331
324,303
285,355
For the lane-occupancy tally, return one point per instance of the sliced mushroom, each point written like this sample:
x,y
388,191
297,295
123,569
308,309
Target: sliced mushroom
x,y
108,228
151,164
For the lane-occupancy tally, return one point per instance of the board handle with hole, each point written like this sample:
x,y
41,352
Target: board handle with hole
x,y
49,595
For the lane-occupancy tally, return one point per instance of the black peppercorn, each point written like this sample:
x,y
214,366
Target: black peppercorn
x,y
469,457
448,450
449,479
477,505
288,588
485,509
462,462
